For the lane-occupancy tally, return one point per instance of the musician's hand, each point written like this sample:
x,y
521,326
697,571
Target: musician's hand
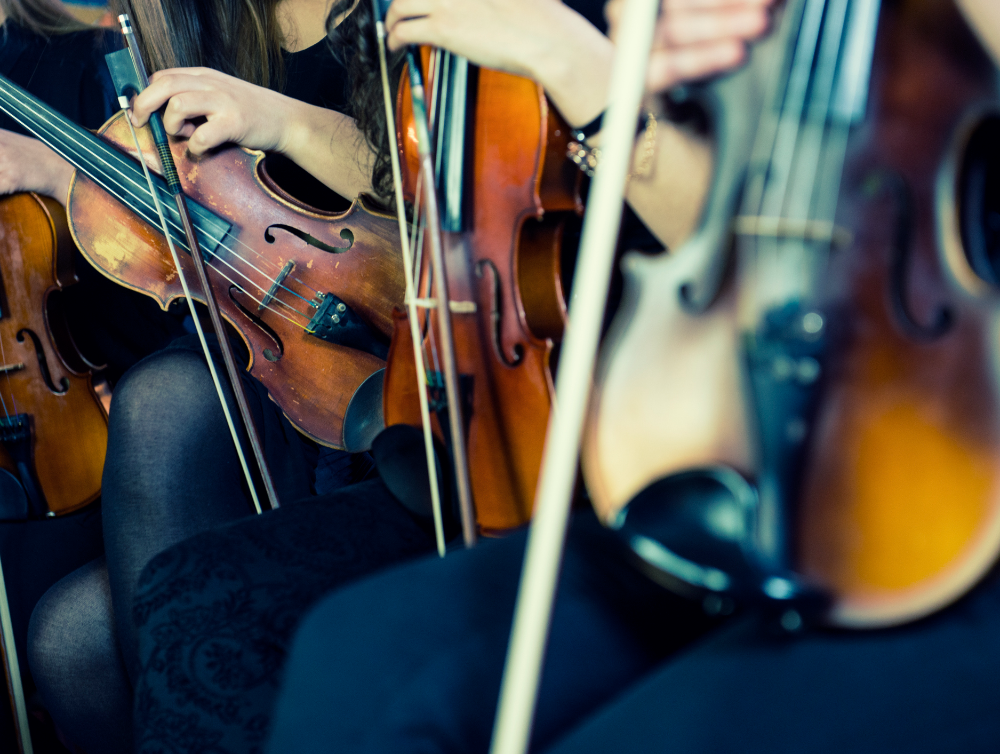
x,y
541,39
698,38
210,108
28,165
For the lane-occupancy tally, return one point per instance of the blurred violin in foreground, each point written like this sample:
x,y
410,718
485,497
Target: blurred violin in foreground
x,y
846,365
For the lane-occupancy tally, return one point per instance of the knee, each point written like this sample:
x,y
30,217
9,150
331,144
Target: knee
x,y
70,626
164,382
76,663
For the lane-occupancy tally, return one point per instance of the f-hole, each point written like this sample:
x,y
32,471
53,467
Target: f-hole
x,y
496,318
269,354
43,364
347,234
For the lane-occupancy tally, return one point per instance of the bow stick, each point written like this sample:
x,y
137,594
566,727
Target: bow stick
x,y
411,295
169,171
441,301
536,593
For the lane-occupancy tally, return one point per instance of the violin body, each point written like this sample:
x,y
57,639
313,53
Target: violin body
x,y
898,511
274,242
504,280
61,441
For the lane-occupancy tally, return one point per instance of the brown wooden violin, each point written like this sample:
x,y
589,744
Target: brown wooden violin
x,y
847,362
505,192
53,427
310,293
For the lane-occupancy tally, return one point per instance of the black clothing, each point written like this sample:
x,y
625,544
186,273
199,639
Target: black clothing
x,y
223,605
171,469
316,76
66,71
411,660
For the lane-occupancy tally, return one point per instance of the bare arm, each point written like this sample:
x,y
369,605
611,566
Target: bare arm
x,y
984,17
694,39
28,165
210,109
549,42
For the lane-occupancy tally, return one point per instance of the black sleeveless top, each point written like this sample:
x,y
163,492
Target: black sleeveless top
x,y
66,71
313,75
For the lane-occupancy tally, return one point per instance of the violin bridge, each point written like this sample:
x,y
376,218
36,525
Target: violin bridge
x,y
8,368
786,227
278,281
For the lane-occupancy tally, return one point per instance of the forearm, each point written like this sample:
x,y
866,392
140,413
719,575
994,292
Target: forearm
x,y
28,165
669,196
984,17
329,146
572,61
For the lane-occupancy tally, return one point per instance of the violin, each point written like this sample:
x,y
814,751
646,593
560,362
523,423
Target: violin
x,y
53,426
506,192
309,293
845,367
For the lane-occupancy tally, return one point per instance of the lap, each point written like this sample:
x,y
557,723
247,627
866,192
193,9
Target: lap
x,y
411,660
933,686
216,612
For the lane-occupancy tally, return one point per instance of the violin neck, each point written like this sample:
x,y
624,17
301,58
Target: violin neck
x,y
116,173
82,149
454,77
788,219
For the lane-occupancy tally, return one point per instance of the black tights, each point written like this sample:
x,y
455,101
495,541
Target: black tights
x,y
171,472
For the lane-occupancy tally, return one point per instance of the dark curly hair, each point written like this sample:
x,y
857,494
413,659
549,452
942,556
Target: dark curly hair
x,y
355,42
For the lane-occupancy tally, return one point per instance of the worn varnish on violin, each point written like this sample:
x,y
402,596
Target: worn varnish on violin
x,y
53,428
278,269
503,225
310,293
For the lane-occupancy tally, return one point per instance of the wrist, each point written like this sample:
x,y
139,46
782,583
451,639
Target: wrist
x,y
291,128
61,178
574,68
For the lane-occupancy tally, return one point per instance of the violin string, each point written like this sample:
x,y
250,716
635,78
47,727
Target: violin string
x,y
141,197
209,360
849,100
122,169
419,228
406,251
763,172
801,200
771,283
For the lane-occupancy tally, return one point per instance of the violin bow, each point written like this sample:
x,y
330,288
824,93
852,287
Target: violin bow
x,y
411,295
543,555
441,301
169,171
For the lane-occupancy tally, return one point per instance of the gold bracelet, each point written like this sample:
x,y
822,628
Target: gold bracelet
x,y
586,158
648,148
